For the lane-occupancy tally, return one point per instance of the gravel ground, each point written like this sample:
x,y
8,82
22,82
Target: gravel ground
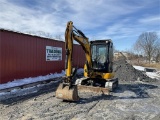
x,y
130,101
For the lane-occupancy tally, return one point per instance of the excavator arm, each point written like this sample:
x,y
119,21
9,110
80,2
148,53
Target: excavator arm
x,y
72,34
67,90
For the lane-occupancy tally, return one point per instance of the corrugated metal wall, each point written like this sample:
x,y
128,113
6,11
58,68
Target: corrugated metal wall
x,y
23,56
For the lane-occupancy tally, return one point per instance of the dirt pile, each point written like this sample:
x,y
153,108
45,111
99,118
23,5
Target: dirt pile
x,y
126,72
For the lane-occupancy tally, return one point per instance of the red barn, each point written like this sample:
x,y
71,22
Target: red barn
x,y
23,55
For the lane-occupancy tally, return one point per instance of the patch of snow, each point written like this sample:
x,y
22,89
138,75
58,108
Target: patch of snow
x,y
152,74
149,74
18,92
158,72
139,68
24,81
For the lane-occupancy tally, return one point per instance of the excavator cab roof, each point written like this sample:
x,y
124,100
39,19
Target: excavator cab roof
x,y
101,41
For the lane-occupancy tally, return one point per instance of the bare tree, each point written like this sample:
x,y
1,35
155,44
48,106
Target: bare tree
x,y
45,34
40,33
59,37
114,49
157,52
147,43
137,48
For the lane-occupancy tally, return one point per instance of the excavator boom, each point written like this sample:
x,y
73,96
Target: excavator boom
x,y
67,90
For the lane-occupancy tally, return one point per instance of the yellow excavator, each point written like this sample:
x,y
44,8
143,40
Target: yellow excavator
x,y
98,69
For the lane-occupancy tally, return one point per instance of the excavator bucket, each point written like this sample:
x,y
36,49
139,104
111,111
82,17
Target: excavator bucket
x,y
66,92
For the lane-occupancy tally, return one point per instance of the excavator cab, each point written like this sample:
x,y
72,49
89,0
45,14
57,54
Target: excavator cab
x,y
100,73
102,55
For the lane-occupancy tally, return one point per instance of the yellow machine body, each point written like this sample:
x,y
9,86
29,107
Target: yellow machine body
x,y
99,62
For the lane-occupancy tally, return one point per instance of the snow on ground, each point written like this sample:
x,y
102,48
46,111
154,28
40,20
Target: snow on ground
x,y
139,68
158,72
34,79
24,81
150,74
30,80
153,74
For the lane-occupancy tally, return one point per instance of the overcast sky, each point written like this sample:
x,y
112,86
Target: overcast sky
x,y
120,20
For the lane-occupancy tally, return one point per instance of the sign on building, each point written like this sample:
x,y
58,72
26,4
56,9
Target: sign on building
x,y
53,53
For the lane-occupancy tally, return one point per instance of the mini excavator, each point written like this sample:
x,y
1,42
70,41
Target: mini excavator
x,y
98,69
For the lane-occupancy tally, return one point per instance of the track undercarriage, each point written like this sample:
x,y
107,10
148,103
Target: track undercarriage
x,y
96,85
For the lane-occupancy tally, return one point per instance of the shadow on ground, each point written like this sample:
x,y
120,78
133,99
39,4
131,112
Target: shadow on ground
x,y
140,91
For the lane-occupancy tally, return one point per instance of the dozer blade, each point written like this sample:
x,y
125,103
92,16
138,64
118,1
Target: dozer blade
x,y
66,93
102,90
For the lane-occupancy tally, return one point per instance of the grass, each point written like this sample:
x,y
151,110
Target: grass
x,y
154,65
